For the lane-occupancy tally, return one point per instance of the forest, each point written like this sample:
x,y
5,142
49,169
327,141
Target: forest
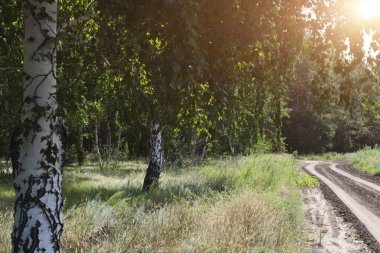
x,y
149,109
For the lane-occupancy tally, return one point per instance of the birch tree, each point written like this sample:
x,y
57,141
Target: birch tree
x,y
37,146
157,60
156,158
38,142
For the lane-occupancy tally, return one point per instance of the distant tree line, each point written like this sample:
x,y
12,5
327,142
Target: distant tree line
x,y
335,112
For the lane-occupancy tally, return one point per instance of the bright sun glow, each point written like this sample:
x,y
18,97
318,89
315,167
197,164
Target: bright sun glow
x,y
369,9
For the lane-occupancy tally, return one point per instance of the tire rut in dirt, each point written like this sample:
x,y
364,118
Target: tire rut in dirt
x,y
345,166
364,195
349,217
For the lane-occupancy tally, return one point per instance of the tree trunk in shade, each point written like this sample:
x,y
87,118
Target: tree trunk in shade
x,y
157,158
97,145
80,151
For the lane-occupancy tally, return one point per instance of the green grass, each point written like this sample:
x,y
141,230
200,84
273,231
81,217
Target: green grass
x,y
332,156
6,205
247,204
308,181
366,159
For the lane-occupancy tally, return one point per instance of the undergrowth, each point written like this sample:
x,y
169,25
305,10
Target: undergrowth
x,y
367,160
332,156
308,181
248,204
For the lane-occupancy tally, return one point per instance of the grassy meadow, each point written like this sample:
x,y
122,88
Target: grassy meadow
x,y
247,204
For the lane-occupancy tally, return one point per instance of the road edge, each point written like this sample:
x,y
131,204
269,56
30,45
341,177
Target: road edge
x,y
345,213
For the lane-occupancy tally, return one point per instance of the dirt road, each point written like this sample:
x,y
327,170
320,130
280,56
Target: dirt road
x,y
355,196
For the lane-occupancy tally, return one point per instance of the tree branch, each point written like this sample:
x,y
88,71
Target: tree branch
x,y
82,42
74,37
90,14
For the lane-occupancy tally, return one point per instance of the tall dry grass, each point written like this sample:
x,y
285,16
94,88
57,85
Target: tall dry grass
x,y
246,223
249,204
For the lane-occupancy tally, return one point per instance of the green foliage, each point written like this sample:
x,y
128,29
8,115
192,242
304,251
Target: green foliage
x,y
222,81
263,146
308,181
264,173
10,71
330,113
366,159
323,157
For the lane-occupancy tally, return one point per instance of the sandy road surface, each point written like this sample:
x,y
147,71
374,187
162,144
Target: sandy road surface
x,y
355,196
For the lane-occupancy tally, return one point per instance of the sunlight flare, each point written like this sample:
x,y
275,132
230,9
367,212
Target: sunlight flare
x,y
369,9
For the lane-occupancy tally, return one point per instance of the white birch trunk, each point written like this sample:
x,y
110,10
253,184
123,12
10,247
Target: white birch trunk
x,y
37,149
157,158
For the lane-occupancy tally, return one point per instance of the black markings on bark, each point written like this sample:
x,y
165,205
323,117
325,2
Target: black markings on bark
x,y
27,201
38,185
155,165
34,235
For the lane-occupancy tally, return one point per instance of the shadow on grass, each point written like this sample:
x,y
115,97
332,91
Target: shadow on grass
x,y
167,194
75,196
75,192
72,191
119,172
116,171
